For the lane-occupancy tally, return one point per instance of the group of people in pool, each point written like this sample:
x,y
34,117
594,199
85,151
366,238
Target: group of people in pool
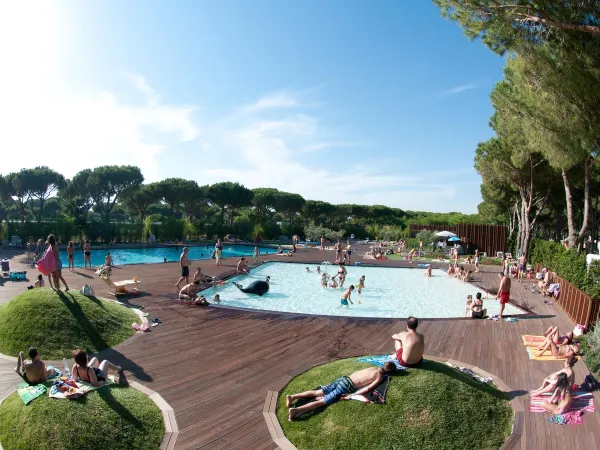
x,y
409,347
338,280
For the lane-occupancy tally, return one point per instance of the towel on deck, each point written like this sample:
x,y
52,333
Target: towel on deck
x,y
546,356
530,340
82,389
29,393
377,395
582,401
380,360
570,418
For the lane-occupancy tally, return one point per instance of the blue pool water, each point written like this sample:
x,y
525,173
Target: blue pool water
x,y
156,255
389,292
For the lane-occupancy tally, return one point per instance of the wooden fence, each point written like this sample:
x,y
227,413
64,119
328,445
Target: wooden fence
x,y
580,307
486,238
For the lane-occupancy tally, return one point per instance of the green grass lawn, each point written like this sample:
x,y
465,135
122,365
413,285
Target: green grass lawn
x,y
432,407
112,417
57,322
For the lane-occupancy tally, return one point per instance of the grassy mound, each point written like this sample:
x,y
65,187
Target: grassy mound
x,y
57,322
113,417
427,408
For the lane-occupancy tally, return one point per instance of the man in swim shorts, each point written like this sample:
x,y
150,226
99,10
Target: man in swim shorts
x,y
364,380
184,262
33,372
503,293
522,266
409,344
346,296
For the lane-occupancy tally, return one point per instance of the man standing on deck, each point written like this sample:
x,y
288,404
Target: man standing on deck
x,y
503,293
522,266
409,344
184,262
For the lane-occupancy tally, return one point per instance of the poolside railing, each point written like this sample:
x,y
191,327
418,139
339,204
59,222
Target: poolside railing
x,y
579,306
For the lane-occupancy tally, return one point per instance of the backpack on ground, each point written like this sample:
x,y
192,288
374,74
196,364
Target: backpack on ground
x,y
88,291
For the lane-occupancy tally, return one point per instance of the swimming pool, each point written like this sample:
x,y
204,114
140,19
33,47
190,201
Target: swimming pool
x,y
154,255
389,292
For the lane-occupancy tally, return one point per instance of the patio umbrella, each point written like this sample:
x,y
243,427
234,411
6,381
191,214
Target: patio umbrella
x,y
454,239
445,234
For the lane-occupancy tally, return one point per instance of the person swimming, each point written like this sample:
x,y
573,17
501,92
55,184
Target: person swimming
x,y
361,284
324,281
308,270
318,269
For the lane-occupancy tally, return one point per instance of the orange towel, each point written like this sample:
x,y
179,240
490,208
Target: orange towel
x,y
530,340
546,356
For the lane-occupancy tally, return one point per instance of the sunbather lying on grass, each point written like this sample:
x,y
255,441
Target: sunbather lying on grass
x,y
364,380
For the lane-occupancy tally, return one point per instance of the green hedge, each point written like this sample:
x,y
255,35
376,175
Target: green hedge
x,y
568,264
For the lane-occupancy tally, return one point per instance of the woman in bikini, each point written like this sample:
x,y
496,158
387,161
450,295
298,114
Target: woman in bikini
x,y
561,398
564,350
550,381
70,256
57,274
93,372
86,255
554,334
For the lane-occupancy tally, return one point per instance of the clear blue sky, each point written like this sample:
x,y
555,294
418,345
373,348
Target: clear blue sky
x,y
344,101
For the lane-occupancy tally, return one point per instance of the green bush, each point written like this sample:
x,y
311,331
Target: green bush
x,y
568,264
590,347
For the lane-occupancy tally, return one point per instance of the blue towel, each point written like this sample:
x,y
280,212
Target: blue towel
x,y
380,361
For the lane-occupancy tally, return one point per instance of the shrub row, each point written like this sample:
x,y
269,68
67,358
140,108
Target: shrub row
x,y
568,264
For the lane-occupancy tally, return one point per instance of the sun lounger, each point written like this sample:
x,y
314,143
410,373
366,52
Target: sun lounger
x,y
118,288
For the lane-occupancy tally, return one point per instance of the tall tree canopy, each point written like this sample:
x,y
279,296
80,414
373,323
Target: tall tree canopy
x,y
108,183
229,196
43,183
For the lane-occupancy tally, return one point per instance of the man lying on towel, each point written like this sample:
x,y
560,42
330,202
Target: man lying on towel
x,y
33,372
409,344
364,380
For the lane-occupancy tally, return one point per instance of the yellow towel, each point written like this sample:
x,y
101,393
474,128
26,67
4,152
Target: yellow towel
x,y
546,356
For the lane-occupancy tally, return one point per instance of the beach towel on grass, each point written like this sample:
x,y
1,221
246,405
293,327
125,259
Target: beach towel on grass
x,y
582,401
546,356
83,388
530,340
377,395
29,393
380,360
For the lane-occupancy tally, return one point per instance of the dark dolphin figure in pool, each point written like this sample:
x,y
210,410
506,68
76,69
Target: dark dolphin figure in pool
x,y
258,287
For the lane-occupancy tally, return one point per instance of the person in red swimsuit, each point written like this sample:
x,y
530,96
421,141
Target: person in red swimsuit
x,y
409,344
503,293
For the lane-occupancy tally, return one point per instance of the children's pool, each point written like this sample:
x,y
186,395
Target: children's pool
x,y
158,254
388,292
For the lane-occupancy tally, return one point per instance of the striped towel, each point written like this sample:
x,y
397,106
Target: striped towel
x,y
380,360
530,340
582,401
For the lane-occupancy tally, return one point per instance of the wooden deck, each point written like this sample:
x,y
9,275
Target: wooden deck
x,y
214,366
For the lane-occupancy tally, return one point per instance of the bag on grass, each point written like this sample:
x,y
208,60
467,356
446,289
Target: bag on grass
x,y
88,291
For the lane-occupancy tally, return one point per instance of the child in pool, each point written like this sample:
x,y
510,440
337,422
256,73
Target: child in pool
x,y
318,269
361,284
308,270
333,283
468,304
324,281
217,298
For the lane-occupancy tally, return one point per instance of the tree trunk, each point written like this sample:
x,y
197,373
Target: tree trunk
x,y
586,202
572,238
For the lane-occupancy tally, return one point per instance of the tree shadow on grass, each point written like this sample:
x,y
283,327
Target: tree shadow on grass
x,y
98,341
105,394
434,366
75,309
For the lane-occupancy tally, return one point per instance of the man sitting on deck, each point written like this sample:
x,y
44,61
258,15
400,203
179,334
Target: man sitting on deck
x,y
34,372
409,344
364,380
188,292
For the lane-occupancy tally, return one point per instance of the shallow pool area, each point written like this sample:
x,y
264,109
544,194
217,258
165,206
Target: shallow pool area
x,y
152,255
388,292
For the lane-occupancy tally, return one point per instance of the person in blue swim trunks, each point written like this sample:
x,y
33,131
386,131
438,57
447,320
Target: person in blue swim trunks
x,y
362,381
346,296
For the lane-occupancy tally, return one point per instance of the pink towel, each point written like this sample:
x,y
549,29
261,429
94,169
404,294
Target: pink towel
x,y
582,401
